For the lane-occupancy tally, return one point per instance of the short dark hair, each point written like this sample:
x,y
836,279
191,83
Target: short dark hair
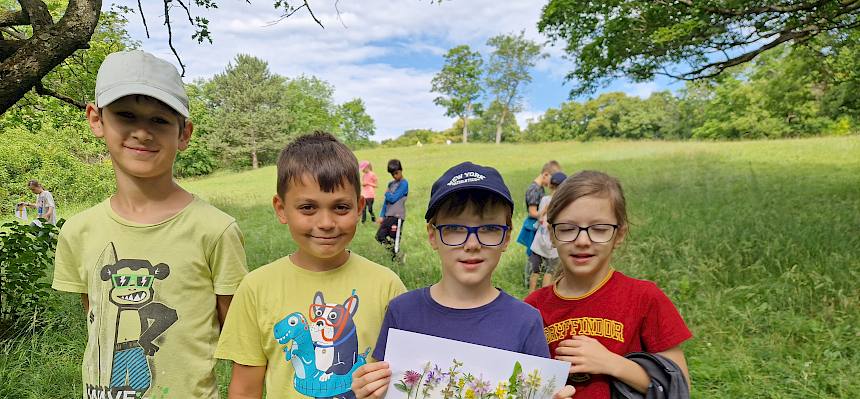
x,y
481,201
33,183
321,156
394,166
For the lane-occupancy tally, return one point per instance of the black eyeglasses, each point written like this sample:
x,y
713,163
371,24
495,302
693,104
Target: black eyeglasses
x,y
489,235
597,233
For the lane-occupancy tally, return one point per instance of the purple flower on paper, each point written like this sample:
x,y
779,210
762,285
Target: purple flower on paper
x,y
480,386
434,376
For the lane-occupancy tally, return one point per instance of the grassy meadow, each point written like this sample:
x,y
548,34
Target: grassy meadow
x,y
757,243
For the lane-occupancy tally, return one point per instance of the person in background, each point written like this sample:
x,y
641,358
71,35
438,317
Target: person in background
x,y
45,206
368,189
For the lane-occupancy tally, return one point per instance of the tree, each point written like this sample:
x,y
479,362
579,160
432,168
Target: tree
x,y
39,35
459,82
683,39
508,71
356,126
485,127
248,114
308,105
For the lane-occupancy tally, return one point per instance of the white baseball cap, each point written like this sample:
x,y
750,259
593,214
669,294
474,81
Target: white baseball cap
x,y
138,72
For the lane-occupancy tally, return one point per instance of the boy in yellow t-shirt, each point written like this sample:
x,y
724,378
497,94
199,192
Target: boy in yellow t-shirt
x,y
156,266
303,323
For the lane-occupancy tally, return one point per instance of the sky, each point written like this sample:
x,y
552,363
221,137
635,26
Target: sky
x,y
382,51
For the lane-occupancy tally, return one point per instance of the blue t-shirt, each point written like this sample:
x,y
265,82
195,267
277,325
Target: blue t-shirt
x,y
505,323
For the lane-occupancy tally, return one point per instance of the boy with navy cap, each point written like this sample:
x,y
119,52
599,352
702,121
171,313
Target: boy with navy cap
x,y
469,226
156,266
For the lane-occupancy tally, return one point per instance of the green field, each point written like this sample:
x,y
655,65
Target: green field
x,y
757,243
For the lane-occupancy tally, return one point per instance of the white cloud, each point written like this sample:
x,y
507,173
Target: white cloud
x,y
524,117
368,50
641,90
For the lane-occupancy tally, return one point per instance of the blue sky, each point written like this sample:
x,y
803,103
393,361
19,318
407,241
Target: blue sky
x,y
385,52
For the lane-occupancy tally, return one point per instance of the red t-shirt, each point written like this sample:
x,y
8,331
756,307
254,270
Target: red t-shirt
x,y
625,314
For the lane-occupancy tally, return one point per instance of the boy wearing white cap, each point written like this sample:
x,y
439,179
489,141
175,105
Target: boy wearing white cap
x,y
155,265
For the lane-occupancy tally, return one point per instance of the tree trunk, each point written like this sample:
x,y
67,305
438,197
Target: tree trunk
x,y
499,126
255,163
50,44
466,123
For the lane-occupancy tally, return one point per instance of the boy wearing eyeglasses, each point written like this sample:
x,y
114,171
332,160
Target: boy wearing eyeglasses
x,y
469,226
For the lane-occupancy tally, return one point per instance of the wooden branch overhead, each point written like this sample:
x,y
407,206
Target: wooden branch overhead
x,y
42,90
40,17
13,18
51,43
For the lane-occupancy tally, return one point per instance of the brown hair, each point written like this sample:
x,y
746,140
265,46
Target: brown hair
x,y
481,201
583,184
321,156
33,183
551,167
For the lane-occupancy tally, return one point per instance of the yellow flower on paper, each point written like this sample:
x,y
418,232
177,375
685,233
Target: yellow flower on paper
x,y
501,390
533,379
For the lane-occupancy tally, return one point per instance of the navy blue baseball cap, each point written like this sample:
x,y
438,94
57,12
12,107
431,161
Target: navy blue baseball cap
x,y
467,176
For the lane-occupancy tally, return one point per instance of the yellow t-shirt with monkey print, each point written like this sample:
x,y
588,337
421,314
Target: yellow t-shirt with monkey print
x,y
153,324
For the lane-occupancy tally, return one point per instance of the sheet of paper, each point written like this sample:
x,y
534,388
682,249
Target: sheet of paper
x,y
21,212
424,366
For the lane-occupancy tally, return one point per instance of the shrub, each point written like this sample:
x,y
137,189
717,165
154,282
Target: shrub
x,y
196,160
73,169
26,252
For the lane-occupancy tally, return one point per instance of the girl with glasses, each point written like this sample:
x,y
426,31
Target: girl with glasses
x,y
594,315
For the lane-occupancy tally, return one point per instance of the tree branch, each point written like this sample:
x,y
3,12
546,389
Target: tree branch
x,y
806,6
170,35
40,17
42,90
14,18
14,33
295,10
7,47
336,9
187,11
23,69
310,11
143,17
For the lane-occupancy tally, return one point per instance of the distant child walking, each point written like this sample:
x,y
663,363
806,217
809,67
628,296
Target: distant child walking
x,y
393,212
594,315
368,189
546,260
534,193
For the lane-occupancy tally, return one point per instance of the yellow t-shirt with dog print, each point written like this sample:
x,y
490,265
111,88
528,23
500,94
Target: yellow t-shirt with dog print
x,y
310,329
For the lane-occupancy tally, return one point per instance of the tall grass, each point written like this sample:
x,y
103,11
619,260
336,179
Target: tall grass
x,y
757,243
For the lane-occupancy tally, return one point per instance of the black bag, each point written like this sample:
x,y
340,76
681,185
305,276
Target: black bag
x,y
667,379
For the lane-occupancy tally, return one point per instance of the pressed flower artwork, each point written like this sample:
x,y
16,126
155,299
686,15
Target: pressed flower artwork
x,y
428,367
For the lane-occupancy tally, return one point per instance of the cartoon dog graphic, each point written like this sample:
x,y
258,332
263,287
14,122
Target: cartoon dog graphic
x,y
139,320
333,333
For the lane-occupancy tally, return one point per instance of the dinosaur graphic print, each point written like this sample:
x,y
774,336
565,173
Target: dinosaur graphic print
x,y
324,348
